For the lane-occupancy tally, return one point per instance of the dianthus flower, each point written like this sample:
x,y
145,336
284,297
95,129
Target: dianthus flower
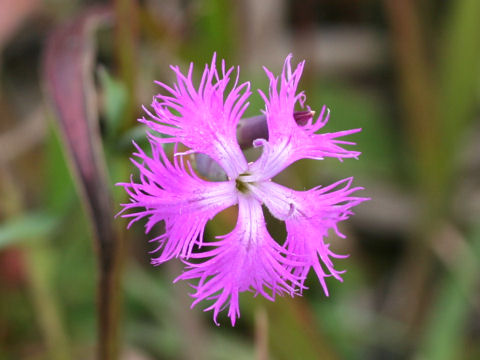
x,y
204,119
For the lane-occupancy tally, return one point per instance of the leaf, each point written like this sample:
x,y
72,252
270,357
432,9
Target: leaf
x,y
69,83
68,78
115,101
458,85
446,326
26,227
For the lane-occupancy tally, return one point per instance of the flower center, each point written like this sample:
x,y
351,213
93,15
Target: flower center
x,y
242,185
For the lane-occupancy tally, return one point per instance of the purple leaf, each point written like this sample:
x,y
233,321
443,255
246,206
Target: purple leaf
x,y
68,77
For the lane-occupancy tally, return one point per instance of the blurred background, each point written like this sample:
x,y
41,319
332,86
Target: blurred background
x,y
73,76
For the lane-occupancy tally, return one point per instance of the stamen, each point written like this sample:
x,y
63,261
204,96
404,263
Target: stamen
x,y
243,186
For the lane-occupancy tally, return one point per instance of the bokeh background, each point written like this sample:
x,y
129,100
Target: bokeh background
x,y
407,72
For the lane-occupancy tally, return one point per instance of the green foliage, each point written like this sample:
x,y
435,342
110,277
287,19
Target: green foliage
x,y
351,109
115,103
212,31
448,318
460,66
26,227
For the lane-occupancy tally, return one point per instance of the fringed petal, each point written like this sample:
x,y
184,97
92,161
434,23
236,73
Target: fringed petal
x,y
287,140
173,193
204,118
309,215
247,259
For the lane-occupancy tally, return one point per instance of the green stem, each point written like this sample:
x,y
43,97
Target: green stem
x,y
261,333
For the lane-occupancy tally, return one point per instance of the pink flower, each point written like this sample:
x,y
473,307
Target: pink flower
x,y
204,119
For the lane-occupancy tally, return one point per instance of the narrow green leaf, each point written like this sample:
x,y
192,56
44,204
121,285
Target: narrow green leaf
x,y
115,102
59,193
449,315
25,227
460,67
459,71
